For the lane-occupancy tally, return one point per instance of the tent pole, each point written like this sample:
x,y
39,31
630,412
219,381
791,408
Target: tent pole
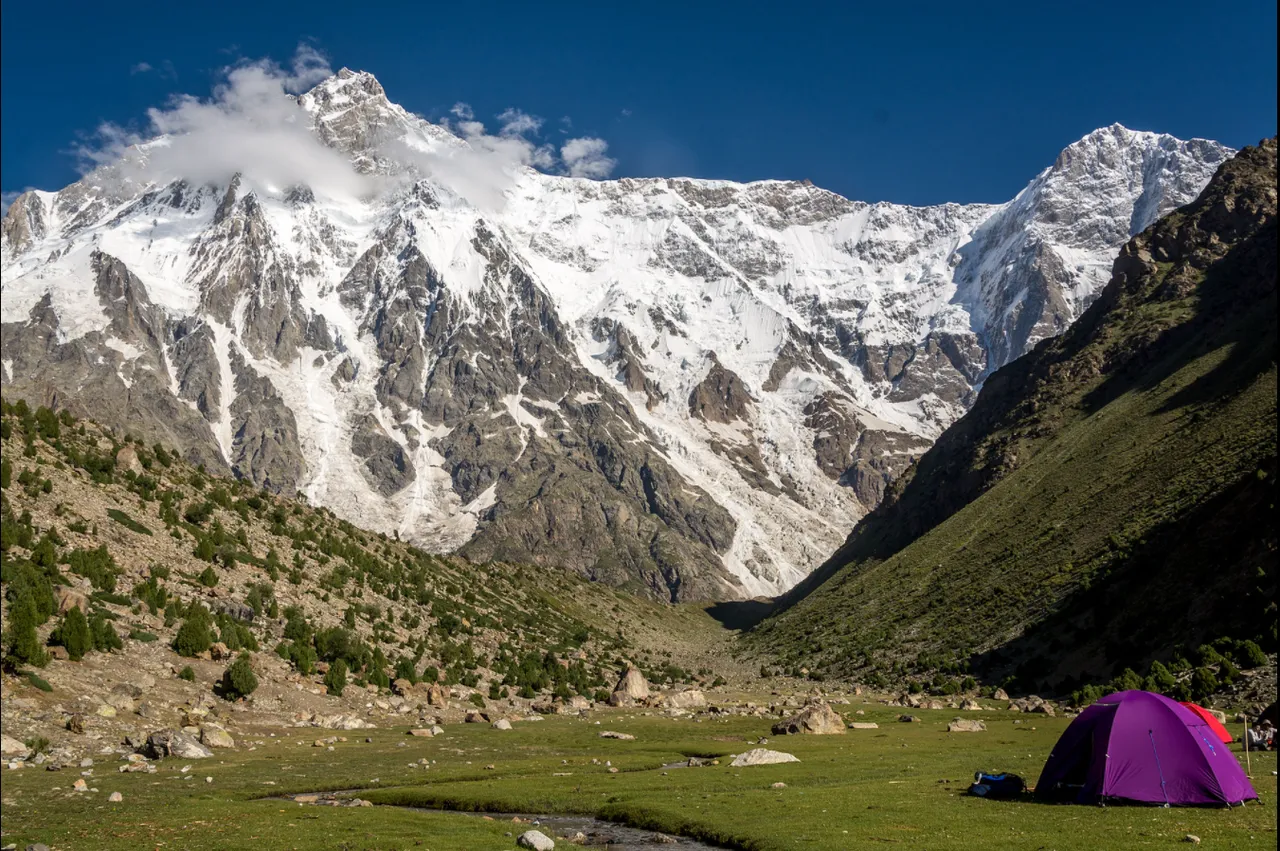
x,y
1248,763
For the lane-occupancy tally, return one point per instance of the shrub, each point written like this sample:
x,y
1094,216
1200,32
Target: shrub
x,y
303,657
187,674
21,644
194,636
335,680
1203,683
430,674
1250,655
105,637
477,700
239,680
39,682
143,636
209,577
73,633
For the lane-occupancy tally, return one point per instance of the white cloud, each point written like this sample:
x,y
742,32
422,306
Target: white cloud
x,y
250,126
586,157
517,123
140,68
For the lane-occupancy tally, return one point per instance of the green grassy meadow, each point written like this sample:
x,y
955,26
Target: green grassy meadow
x,y
900,785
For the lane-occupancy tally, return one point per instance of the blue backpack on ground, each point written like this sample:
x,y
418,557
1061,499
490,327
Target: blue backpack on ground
x,y
997,785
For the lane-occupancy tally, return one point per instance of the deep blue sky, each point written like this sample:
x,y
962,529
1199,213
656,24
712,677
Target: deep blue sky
x,y
911,102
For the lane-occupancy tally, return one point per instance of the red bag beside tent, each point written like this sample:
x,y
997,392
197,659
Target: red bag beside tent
x,y
1214,723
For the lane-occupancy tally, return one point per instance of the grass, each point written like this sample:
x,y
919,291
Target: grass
x,y
901,784
127,522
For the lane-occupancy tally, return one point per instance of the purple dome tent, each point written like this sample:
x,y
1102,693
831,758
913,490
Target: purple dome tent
x,y
1139,746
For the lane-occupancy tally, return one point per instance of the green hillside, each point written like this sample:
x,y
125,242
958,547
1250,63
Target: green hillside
x,y
1108,502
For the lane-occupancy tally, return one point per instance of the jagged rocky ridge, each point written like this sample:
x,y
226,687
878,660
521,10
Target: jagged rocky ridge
x,y
687,387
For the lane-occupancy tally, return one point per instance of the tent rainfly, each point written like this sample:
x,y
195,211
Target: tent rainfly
x,y
1207,717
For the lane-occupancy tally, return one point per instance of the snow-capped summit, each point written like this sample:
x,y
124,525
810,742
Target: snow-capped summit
x,y
686,386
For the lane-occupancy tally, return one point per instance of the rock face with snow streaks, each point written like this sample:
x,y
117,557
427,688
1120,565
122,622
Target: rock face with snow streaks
x,y
684,387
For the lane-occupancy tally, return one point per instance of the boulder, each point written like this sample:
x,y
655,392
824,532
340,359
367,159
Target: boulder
x,y
167,742
70,598
610,734
213,736
631,687
535,840
502,724
10,747
218,651
1000,694
688,699
127,460
422,732
761,756
816,718
864,725
966,725
436,729
436,696
401,686
971,705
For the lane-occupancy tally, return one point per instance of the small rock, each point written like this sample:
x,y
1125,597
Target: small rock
x,y
421,733
610,734
535,840
778,785
115,797
966,725
502,724
80,785
1192,838
864,725
761,756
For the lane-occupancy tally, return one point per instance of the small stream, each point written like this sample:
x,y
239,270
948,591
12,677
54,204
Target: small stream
x,y
598,832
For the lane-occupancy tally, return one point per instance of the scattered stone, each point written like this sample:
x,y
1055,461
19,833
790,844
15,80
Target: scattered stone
x,y
663,839
535,840
778,785
1000,694
971,705
761,756
817,718
436,729
75,723
1192,838
909,719
864,725
966,725
80,785
115,797
421,733
502,724
610,734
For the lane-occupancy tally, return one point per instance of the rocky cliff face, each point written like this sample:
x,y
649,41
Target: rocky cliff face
x,y
687,387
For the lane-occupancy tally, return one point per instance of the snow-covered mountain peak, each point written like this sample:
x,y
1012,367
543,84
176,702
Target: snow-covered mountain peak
x,y
688,386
